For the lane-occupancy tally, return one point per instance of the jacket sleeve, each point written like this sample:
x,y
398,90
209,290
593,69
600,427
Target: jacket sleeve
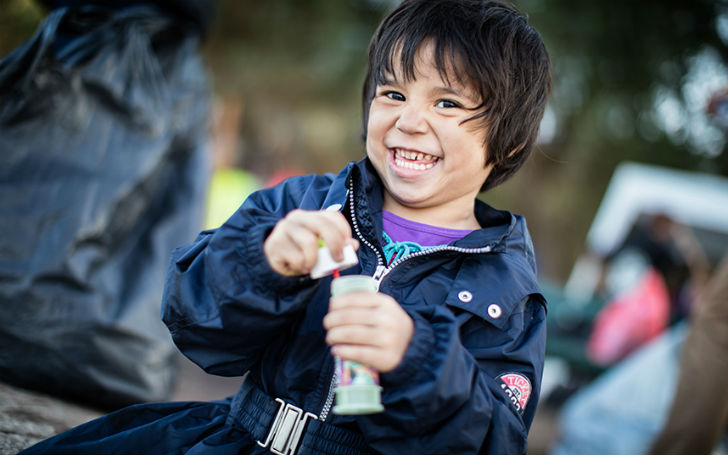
x,y
447,396
222,302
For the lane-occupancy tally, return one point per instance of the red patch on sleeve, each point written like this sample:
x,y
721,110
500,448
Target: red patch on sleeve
x,y
518,388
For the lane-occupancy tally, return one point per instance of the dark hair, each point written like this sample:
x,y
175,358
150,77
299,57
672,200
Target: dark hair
x,y
490,46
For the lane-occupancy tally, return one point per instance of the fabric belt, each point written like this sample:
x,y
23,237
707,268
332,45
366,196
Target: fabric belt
x,y
277,425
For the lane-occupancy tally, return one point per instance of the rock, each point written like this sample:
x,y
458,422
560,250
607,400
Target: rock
x,y
27,417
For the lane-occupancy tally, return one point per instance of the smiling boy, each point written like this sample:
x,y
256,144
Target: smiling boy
x,y
452,101
432,163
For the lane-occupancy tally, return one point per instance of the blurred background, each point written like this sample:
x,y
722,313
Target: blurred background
x,y
633,81
632,150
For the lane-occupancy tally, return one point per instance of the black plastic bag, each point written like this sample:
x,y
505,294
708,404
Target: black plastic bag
x,y
103,169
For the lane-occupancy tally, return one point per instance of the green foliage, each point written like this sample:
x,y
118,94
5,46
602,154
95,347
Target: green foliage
x,y
613,63
296,67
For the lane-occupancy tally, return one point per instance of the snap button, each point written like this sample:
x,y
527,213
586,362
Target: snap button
x,y
465,296
494,311
333,208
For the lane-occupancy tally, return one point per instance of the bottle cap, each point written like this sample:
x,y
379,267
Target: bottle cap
x,y
350,283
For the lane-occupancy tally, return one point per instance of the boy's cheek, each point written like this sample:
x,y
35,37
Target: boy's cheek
x,y
370,147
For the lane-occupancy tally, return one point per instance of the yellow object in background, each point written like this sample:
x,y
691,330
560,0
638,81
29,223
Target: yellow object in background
x,y
229,187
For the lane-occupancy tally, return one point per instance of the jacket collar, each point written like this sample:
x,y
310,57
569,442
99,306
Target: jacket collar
x,y
503,231
498,226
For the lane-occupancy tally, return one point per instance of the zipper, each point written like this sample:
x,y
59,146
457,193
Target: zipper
x,y
381,268
380,259
437,249
379,273
332,387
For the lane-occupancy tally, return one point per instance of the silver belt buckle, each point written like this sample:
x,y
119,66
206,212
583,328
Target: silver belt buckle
x,y
287,429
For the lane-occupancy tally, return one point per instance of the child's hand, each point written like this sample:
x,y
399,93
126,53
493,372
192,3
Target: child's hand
x,y
369,328
292,247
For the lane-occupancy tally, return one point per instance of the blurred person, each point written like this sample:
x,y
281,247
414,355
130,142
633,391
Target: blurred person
x,y
457,327
674,252
699,413
651,281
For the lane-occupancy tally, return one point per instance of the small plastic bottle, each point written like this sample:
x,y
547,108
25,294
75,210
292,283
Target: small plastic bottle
x,y
359,391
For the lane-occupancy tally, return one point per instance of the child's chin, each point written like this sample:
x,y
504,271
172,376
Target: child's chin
x,y
407,197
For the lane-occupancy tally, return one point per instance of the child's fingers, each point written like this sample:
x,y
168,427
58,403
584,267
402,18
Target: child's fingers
x,y
338,221
356,335
292,246
357,352
331,227
285,250
350,316
291,263
361,323
360,299
354,243
374,357
304,243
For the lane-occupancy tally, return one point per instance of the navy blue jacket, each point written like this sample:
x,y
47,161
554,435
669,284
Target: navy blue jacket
x,y
229,312
469,379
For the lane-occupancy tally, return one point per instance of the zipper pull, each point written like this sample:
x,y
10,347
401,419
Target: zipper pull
x,y
379,274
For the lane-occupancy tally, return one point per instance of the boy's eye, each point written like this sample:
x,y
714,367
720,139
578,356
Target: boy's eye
x,y
394,95
447,104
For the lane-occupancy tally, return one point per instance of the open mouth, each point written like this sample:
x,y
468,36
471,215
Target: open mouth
x,y
417,161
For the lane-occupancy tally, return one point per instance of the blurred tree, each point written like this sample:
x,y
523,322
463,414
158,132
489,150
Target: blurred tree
x,y
296,68
632,80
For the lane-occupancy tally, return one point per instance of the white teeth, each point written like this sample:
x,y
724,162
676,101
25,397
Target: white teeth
x,y
414,156
415,166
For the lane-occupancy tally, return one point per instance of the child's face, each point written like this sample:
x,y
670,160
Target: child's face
x,y
427,158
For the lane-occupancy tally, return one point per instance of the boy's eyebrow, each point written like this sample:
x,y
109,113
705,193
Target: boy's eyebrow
x,y
387,80
462,93
452,91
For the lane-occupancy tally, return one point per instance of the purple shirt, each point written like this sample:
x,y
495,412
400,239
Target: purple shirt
x,y
403,230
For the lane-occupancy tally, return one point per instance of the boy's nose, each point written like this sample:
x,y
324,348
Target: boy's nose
x,y
411,120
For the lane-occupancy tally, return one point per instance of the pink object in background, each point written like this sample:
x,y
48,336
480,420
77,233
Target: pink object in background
x,y
631,319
